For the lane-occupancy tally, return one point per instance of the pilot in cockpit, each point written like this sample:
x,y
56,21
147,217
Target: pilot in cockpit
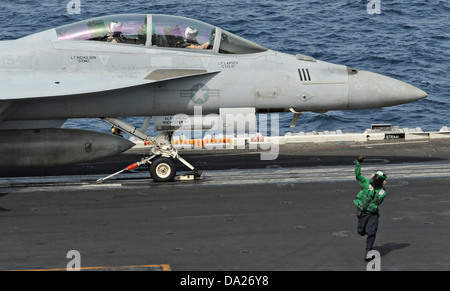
x,y
190,36
115,32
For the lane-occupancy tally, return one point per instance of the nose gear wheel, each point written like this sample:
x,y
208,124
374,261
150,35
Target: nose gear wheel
x,y
162,169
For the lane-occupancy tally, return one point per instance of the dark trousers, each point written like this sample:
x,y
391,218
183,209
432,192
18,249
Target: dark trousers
x,y
368,224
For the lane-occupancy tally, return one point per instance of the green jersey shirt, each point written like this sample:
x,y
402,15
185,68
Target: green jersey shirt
x,y
369,198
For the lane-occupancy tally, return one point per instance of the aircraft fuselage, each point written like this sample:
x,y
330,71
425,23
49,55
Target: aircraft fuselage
x,y
59,79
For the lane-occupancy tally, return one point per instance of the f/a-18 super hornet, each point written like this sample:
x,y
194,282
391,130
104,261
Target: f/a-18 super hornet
x,y
157,65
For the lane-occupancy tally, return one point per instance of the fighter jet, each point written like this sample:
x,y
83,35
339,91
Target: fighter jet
x,y
156,65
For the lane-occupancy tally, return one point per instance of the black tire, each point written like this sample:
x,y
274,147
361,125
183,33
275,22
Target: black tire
x,y
163,169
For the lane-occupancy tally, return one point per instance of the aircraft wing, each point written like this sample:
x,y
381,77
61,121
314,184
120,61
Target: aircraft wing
x,y
26,84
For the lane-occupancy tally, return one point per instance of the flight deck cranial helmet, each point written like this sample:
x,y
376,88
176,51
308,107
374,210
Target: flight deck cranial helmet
x,y
190,33
379,178
114,26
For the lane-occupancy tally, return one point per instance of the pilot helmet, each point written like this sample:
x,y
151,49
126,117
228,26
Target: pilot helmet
x,y
190,33
114,26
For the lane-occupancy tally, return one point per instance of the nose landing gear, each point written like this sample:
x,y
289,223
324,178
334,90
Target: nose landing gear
x,y
162,156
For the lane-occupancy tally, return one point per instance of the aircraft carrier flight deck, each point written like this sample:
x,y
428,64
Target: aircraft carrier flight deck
x,y
291,213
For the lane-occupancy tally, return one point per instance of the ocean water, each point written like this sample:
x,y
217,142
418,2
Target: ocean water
x,y
407,40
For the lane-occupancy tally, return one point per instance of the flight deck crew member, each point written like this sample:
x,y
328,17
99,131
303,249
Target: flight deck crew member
x,y
367,202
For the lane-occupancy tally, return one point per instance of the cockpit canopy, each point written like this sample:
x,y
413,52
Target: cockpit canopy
x,y
166,31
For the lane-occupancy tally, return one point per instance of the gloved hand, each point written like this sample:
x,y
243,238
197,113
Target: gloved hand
x,y
211,38
361,159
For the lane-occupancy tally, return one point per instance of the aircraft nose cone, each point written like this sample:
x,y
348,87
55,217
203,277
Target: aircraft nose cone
x,y
370,90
